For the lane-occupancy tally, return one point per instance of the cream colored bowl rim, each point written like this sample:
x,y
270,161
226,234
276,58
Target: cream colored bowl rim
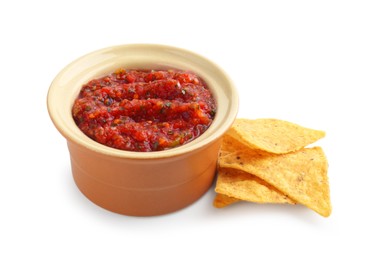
x,y
66,85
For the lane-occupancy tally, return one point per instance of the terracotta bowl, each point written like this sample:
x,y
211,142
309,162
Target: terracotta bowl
x,y
141,183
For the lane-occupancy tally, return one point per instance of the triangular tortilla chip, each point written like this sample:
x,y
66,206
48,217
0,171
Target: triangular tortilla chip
x,y
273,135
221,200
244,186
302,175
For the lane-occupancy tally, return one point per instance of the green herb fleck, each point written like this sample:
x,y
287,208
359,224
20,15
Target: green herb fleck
x,y
212,112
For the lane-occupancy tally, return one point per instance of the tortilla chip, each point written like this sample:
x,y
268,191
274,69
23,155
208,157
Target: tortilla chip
x,y
301,175
221,200
273,135
244,186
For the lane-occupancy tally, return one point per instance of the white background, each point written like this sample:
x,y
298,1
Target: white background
x,y
309,62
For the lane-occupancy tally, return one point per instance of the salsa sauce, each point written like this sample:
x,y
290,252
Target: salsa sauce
x,y
144,110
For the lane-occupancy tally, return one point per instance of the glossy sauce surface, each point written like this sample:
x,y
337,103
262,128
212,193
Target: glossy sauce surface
x,y
144,110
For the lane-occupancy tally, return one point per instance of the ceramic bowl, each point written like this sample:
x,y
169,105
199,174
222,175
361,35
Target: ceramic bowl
x,y
141,183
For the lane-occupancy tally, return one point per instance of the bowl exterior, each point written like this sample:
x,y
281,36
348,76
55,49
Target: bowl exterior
x,y
143,188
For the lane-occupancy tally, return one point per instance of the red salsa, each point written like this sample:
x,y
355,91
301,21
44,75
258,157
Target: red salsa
x,y
144,110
